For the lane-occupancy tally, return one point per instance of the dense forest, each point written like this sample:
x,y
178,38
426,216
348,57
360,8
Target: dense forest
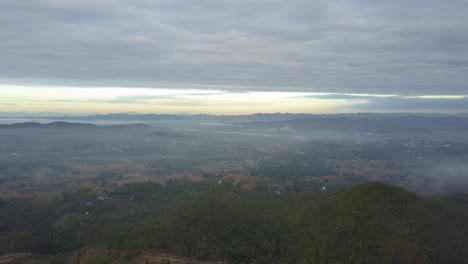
x,y
369,223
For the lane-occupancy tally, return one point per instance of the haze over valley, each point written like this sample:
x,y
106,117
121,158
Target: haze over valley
x,y
235,132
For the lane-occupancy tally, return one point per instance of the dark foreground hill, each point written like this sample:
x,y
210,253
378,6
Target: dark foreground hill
x,y
370,223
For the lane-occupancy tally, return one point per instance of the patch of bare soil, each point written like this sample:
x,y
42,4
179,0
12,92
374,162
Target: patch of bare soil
x,y
16,258
157,258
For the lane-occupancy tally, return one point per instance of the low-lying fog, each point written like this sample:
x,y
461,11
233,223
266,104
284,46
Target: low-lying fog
x,y
423,154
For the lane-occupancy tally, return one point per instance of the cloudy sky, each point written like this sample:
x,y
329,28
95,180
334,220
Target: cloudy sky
x,y
224,56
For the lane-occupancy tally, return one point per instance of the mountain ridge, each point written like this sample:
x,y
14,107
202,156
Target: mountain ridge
x,y
67,125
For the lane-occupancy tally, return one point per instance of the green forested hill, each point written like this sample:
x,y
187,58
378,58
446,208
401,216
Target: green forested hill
x,y
370,223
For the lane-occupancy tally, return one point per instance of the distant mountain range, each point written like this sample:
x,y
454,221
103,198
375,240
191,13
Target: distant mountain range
x,y
215,118
388,124
66,125
376,123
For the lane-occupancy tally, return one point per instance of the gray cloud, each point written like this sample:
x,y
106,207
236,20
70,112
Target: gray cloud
x,y
398,104
355,46
338,96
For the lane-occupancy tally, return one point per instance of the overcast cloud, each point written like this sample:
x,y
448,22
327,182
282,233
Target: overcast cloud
x,y
404,47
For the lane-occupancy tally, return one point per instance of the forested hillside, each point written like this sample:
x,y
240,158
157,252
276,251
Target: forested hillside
x,y
370,223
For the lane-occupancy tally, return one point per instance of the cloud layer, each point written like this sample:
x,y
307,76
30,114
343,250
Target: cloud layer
x,y
352,46
150,100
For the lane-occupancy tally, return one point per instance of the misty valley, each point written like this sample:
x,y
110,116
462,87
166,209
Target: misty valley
x,y
265,188
233,132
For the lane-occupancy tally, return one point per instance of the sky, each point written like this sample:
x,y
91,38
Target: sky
x,y
233,57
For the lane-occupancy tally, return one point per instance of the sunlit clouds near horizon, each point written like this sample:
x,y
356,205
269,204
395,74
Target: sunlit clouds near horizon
x,y
86,100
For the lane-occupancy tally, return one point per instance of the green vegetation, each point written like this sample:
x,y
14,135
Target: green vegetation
x,y
370,223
